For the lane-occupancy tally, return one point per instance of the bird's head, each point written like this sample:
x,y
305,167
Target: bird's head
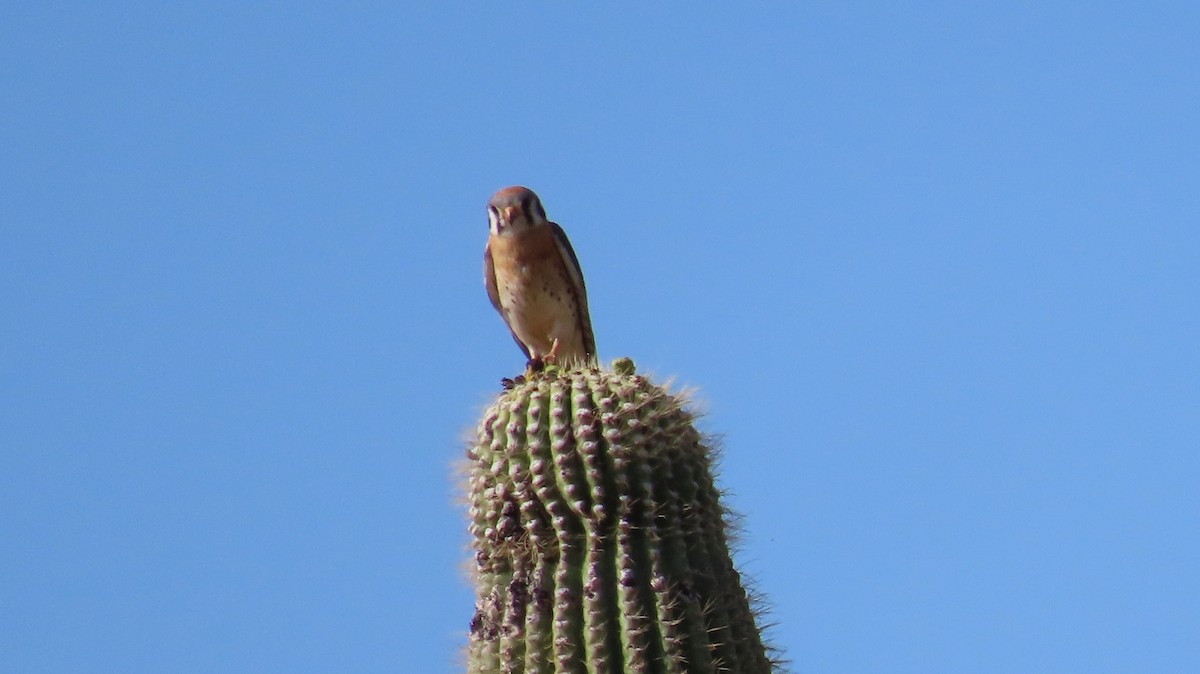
x,y
513,209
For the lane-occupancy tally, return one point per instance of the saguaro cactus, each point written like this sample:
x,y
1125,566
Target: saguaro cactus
x,y
600,541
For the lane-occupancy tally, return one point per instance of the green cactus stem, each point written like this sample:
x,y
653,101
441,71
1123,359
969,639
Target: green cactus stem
x,y
599,537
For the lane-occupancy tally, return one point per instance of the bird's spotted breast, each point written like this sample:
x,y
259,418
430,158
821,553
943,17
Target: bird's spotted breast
x,y
534,289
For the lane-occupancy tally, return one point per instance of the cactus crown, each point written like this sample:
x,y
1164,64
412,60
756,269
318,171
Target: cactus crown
x,y
600,542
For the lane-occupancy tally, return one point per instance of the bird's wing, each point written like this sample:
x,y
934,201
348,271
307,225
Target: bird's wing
x,y
493,291
489,278
571,262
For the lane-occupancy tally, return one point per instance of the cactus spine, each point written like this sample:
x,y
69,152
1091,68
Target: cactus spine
x,y
600,542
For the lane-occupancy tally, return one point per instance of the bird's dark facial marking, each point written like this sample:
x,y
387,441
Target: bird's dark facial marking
x,y
532,206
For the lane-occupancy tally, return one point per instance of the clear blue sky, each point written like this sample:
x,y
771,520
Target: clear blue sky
x,y
932,270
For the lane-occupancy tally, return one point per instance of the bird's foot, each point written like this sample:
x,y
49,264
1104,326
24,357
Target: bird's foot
x,y
510,384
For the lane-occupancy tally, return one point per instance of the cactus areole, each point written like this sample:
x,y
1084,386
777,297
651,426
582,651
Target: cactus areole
x,y
599,538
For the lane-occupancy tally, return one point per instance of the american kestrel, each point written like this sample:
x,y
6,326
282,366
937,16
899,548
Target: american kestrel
x,y
534,280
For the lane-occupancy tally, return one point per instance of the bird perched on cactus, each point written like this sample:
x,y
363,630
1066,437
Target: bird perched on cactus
x,y
534,280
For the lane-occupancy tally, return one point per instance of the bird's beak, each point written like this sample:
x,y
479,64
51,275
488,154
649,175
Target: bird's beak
x,y
510,213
